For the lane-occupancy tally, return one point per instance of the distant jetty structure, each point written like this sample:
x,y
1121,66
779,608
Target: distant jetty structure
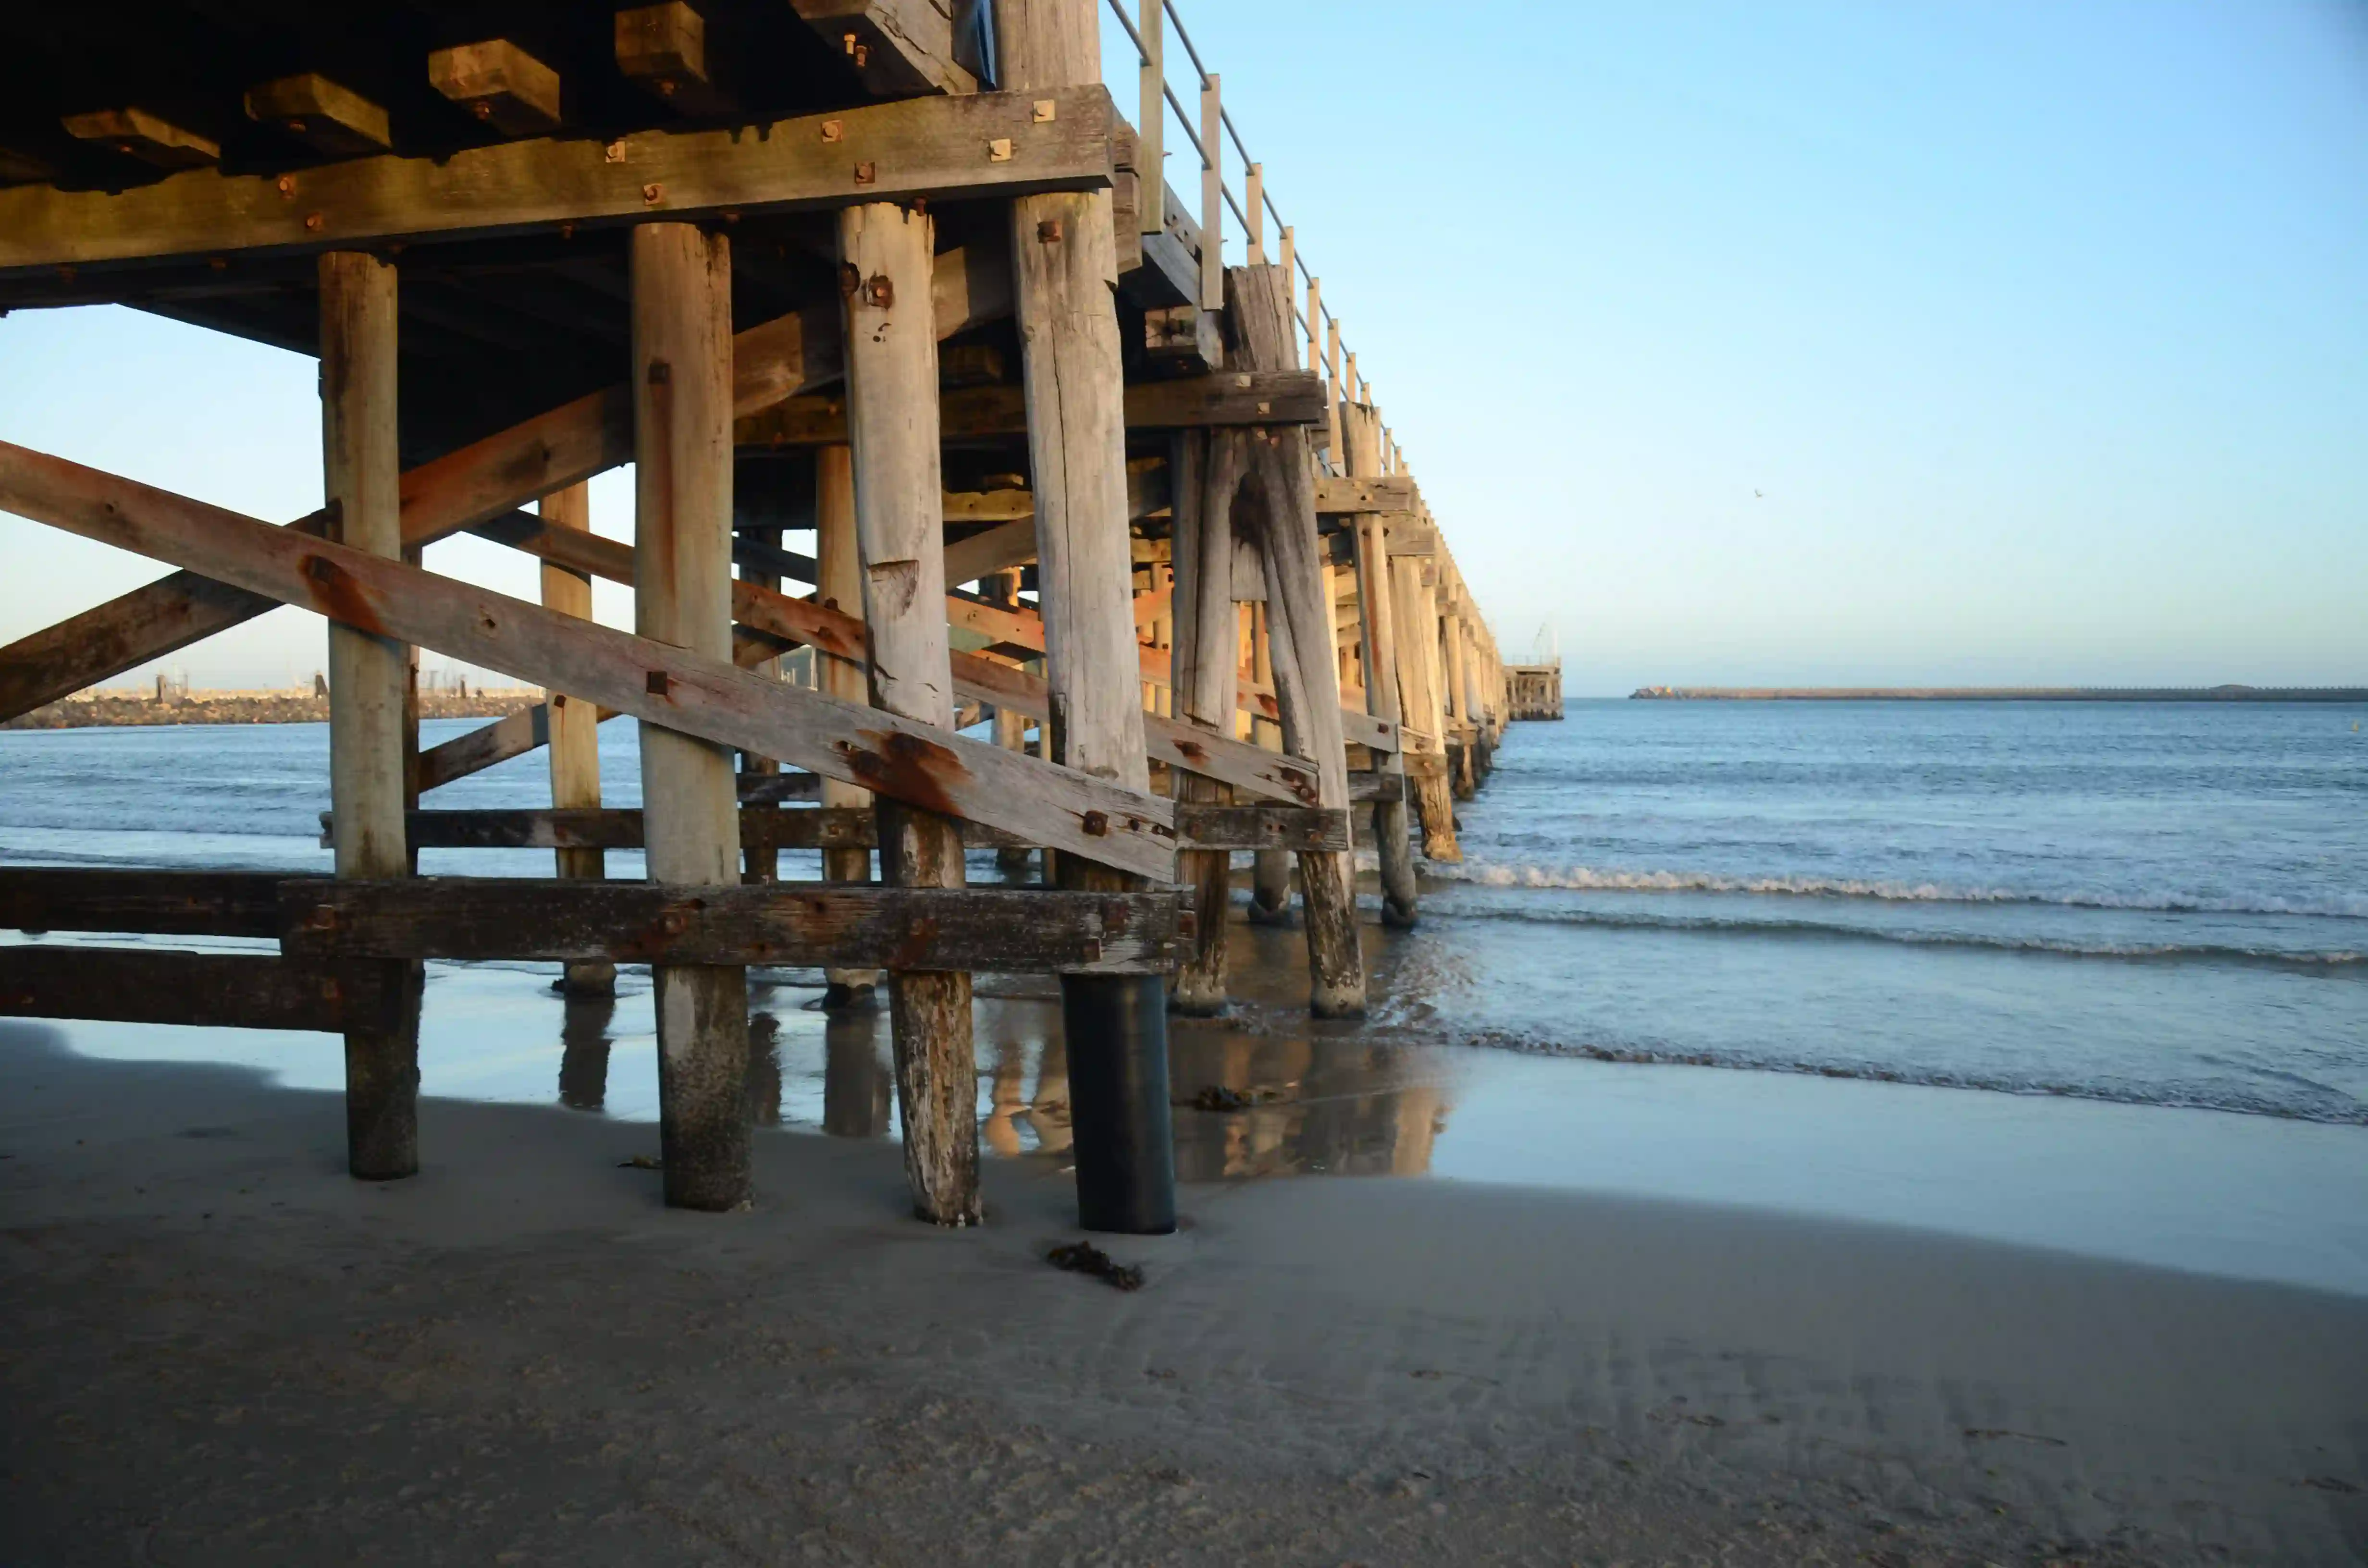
x,y
2001,693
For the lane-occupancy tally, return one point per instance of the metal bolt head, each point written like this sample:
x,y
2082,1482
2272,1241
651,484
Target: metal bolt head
x,y
1044,111
999,149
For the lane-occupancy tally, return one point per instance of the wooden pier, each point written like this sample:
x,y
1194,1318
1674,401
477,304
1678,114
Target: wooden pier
x,y
895,271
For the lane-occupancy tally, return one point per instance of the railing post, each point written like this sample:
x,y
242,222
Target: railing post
x,y
1212,196
1151,118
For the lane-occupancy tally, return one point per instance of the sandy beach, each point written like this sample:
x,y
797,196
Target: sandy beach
x,y
217,1348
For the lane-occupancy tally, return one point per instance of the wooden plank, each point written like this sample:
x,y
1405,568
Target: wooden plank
x,y
661,49
896,47
165,985
919,149
173,904
1374,786
500,84
1227,397
1261,826
480,481
325,115
810,924
1070,811
136,133
1337,495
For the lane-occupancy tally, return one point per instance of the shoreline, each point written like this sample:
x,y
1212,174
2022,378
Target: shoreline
x,y
124,709
221,1350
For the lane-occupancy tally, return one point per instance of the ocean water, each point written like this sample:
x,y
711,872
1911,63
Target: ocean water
x,y
2156,904
2083,977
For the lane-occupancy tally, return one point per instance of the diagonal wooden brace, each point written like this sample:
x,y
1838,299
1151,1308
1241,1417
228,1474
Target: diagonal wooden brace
x,y
918,763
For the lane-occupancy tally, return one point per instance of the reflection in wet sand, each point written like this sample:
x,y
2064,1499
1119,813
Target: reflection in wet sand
x,y
584,1048
855,1075
764,1081
1299,1103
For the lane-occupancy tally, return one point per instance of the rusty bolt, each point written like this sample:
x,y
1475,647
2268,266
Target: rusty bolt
x,y
312,221
999,149
833,129
286,185
862,55
1095,824
1049,231
614,153
865,173
673,922
482,109
658,683
879,292
1044,111
653,193
323,918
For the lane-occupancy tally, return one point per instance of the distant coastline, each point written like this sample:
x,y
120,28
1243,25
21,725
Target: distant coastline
x,y
2000,694
98,708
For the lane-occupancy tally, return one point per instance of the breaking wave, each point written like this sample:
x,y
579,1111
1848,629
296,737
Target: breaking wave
x,y
1586,878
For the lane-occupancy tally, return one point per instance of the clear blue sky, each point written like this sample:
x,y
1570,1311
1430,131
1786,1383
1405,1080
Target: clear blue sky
x,y
2042,331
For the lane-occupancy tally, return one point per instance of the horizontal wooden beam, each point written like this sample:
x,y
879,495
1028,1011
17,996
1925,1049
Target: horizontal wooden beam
x,y
163,985
1226,398
916,763
1382,493
1255,826
170,903
1004,144
1364,785
814,924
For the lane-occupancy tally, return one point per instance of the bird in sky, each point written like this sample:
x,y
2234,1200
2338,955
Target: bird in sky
x,y
1757,496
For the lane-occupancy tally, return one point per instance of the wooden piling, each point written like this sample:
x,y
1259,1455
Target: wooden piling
x,y
1065,262
682,595
1378,648
1299,634
574,729
368,677
1271,869
1010,724
891,377
839,564
1204,682
1417,624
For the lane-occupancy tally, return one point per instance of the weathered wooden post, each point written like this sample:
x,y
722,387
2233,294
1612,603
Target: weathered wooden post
x,y
1416,616
892,404
1375,604
574,729
1010,724
682,595
1203,683
1271,869
368,678
1065,268
839,564
1299,633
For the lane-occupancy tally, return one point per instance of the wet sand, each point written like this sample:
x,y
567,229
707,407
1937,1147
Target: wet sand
x,y
216,1349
